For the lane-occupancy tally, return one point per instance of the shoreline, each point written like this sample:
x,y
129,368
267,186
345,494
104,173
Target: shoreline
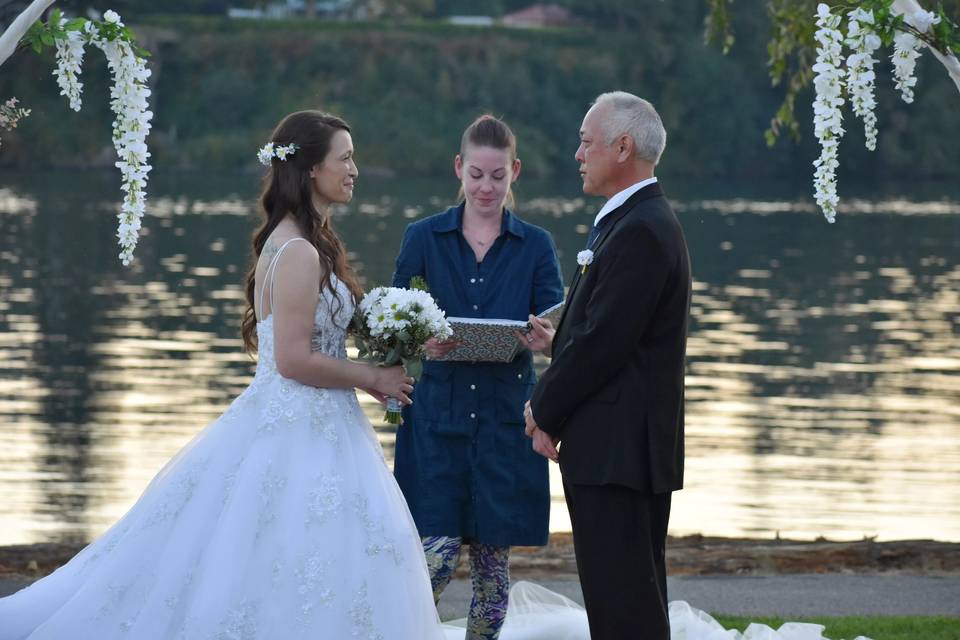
x,y
693,555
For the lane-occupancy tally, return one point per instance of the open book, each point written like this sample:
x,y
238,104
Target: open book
x,y
491,340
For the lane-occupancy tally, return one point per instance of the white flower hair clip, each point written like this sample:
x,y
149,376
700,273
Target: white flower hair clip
x,y
584,259
270,151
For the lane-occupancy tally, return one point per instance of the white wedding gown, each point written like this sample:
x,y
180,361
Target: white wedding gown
x,y
280,520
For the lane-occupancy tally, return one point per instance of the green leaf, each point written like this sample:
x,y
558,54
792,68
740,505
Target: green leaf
x,y
75,25
393,357
414,367
419,283
47,38
37,46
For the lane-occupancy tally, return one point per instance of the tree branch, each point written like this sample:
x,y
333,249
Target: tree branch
x,y
20,26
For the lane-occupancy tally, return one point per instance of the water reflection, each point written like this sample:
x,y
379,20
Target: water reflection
x,y
822,384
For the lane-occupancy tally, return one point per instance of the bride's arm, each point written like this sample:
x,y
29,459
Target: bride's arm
x,y
295,299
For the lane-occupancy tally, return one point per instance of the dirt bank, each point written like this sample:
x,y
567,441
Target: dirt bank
x,y
689,555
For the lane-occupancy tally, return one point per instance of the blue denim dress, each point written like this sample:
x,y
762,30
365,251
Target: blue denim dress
x,y
462,460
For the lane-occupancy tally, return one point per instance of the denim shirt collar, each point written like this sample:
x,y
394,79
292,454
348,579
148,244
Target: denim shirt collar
x,y
452,220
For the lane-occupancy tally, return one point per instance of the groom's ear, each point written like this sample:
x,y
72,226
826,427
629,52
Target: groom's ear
x,y
625,147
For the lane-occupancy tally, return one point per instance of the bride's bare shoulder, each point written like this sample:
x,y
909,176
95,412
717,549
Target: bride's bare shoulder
x,y
302,249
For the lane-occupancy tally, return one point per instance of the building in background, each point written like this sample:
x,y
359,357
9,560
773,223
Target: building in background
x,y
540,15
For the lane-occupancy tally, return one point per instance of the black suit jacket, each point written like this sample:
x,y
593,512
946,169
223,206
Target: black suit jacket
x,y
614,390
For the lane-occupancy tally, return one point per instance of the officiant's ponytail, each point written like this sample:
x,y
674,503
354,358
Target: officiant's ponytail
x,y
489,131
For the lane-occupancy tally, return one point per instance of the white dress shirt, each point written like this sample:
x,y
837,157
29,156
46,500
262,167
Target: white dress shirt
x,y
621,197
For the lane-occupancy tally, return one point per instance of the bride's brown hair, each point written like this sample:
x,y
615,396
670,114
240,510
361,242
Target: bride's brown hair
x,y
288,189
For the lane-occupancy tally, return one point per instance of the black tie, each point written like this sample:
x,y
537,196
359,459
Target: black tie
x,y
596,230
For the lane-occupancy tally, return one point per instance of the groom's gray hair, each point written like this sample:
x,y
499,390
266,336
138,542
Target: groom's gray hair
x,y
633,116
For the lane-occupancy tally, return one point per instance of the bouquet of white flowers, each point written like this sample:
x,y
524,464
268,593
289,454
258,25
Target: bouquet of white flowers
x,y
392,326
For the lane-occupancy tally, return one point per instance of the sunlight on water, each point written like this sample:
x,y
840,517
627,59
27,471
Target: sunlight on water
x,y
822,387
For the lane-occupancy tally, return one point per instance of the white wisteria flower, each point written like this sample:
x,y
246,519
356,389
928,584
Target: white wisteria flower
x,y
905,53
129,102
393,325
922,20
584,259
130,105
69,60
827,117
859,82
861,79
906,50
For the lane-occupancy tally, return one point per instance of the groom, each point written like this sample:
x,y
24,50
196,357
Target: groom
x,y
613,393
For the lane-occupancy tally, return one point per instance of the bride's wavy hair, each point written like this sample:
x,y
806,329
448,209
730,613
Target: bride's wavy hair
x,y
288,190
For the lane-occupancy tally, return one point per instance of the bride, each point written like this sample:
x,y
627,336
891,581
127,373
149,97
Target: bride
x,y
281,519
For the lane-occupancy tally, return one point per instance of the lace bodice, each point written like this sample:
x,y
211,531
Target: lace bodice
x,y
330,322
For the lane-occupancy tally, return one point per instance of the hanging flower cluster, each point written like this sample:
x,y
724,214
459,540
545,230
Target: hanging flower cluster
x,y
906,50
69,60
864,37
11,114
128,100
863,41
827,118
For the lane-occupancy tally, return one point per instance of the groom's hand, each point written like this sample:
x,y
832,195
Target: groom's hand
x,y
545,444
528,418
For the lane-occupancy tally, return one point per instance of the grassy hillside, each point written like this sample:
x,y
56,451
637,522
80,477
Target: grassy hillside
x,y
409,91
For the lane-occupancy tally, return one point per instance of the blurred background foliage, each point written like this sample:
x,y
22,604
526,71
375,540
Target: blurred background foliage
x,y
409,81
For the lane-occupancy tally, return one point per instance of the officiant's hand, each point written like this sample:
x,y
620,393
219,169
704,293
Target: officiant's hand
x,y
436,348
539,337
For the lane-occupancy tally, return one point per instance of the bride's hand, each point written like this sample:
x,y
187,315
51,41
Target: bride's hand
x,y
436,348
379,397
393,382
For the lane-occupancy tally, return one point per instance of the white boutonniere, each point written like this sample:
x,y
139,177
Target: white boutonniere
x,y
584,259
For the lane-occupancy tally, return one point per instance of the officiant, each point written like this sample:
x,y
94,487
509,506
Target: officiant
x,y
465,467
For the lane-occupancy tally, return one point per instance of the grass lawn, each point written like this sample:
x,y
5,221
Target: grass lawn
x,y
874,627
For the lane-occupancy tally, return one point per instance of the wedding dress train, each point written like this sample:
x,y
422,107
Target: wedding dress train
x,y
536,613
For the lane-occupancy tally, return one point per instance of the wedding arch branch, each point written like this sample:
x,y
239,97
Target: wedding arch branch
x,y
128,96
808,45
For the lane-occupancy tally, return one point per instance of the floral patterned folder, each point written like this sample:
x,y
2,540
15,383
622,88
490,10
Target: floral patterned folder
x,y
491,340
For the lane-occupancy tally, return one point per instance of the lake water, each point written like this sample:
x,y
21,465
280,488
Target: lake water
x,y
823,387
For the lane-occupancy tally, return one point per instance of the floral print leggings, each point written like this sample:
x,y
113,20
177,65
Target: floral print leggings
x,y
489,574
